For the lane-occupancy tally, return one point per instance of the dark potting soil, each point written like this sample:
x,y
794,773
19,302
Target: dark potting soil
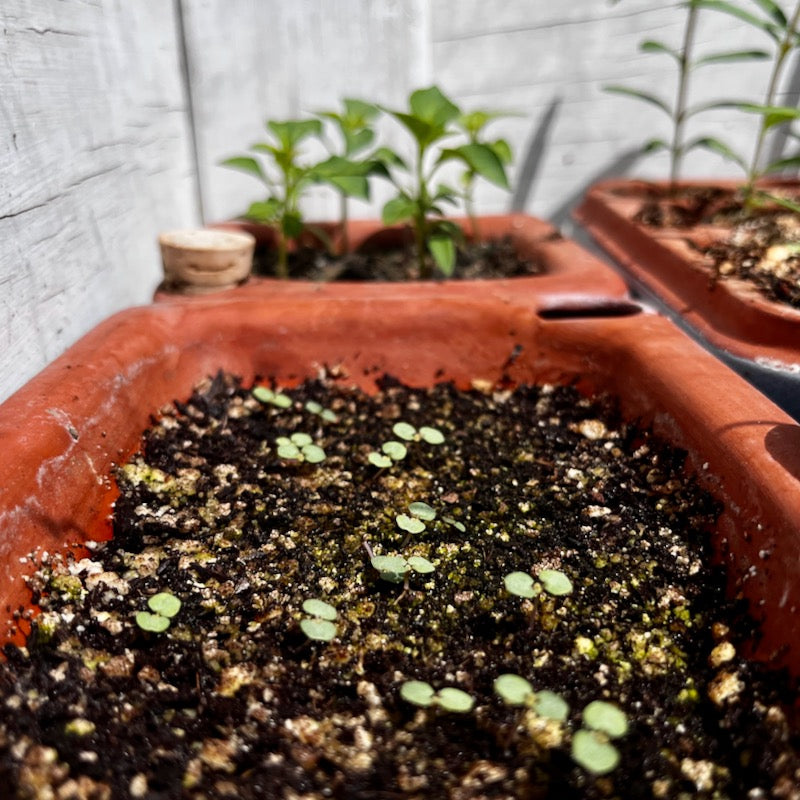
x,y
233,700
493,259
760,246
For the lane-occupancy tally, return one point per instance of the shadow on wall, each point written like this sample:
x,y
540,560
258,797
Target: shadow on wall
x,y
534,155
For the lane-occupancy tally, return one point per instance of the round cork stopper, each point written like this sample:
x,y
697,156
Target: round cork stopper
x,y
203,260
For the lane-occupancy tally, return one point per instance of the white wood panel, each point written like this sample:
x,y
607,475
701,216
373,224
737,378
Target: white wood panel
x,y
94,161
250,60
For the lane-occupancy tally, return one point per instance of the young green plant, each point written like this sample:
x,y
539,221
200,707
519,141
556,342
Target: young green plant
x,y
431,120
679,111
449,698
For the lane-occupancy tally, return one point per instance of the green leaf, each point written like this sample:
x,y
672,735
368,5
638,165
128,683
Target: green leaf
x,y
395,565
422,511
420,564
404,431
432,106
729,8
520,584
154,623
417,692
246,164
422,131
263,394
732,56
502,150
409,524
290,452
773,115
606,717
291,132
551,705
555,582
482,160
456,700
387,157
716,146
431,435
359,112
784,202
356,141
654,145
378,460
594,753
313,407
280,400
267,211
321,630
513,689
164,603
291,224
398,209
319,608
652,46
645,96
313,453
443,250
395,450
774,11
300,439
459,526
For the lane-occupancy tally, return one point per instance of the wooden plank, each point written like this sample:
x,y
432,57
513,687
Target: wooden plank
x,y
94,161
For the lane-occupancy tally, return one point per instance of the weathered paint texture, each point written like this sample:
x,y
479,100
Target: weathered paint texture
x,y
114,117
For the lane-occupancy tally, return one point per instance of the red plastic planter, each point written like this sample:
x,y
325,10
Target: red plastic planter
x,y
730,314
62,433
571,273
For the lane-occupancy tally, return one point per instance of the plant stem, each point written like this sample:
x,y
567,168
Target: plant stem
x,y
345,248
420,222
784,48
282,266
684,65
469,205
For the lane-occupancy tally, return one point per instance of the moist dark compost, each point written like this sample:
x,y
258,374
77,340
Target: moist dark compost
x,y
311,593
760,245
474,261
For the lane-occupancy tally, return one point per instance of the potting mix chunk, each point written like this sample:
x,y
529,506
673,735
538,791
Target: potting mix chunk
x,y
417,593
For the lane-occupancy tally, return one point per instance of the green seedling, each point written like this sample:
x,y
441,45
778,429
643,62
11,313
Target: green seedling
x,y
299,447
516,691
591,745
431,120
785,35
269,397
553,581
287,176
354,124
395,569
319,625
325,414
411,434
420,513
420,693
164,606
392,451
473,124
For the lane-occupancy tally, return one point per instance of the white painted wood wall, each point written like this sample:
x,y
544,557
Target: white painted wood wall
x,y
104,140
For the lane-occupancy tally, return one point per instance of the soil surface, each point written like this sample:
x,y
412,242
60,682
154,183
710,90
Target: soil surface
x,y
760,245
232,699
494,259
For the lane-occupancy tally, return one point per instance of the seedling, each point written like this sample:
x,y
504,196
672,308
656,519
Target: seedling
x,y
287,178
354,124
269,397
299,447
591,745
392,451
411,434
396,568
319,624
420,513
325,414
164,606
516,691
420,693
430,119
553,581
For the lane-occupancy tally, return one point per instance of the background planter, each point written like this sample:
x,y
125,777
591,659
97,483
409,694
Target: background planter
x,y
571,272
63,432
760,338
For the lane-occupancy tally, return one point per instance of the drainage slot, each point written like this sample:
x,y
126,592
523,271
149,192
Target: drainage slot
x,y
592,310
